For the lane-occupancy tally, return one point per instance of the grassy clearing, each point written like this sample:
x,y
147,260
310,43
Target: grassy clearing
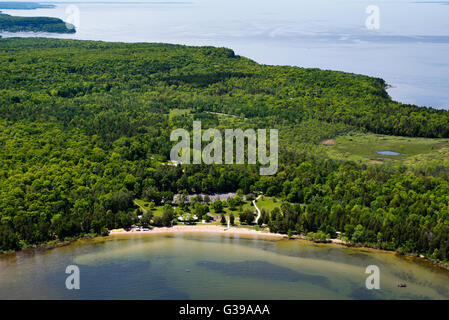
x,y
265,202
227,211
157,210
365,148
178,112
268,203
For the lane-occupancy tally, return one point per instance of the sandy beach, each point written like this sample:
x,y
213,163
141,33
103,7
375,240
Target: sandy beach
x,y
199,229
213,229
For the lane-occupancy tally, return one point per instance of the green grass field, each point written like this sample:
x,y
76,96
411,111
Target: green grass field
x,y
365,148
157,211
268,203
227,211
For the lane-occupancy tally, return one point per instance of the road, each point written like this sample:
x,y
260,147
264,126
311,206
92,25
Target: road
x,y
258,210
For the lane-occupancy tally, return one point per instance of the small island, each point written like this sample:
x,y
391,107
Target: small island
x,y
34,24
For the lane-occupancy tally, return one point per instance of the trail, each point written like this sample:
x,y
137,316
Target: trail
x,y
143,209
258,210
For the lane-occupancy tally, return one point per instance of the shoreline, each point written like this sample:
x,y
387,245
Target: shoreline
x,y
53,244
199,229
217,229
224,230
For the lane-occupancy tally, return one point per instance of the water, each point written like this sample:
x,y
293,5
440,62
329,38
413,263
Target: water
x,y
389,153
409,50
215,266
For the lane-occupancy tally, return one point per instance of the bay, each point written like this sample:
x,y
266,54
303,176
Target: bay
x,y
215,266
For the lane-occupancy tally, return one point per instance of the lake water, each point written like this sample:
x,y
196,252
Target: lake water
x,y
409,50
215,266
389,153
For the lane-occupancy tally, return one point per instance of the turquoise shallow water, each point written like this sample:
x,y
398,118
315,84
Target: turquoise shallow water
x,y
215,266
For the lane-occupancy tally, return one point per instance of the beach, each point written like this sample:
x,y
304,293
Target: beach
x,y
199,229
214,229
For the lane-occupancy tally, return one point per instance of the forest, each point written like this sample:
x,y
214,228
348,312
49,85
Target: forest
x,y
85,130
34,24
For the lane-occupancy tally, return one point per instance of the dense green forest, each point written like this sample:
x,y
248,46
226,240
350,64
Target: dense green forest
x,y
85,129
34,24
